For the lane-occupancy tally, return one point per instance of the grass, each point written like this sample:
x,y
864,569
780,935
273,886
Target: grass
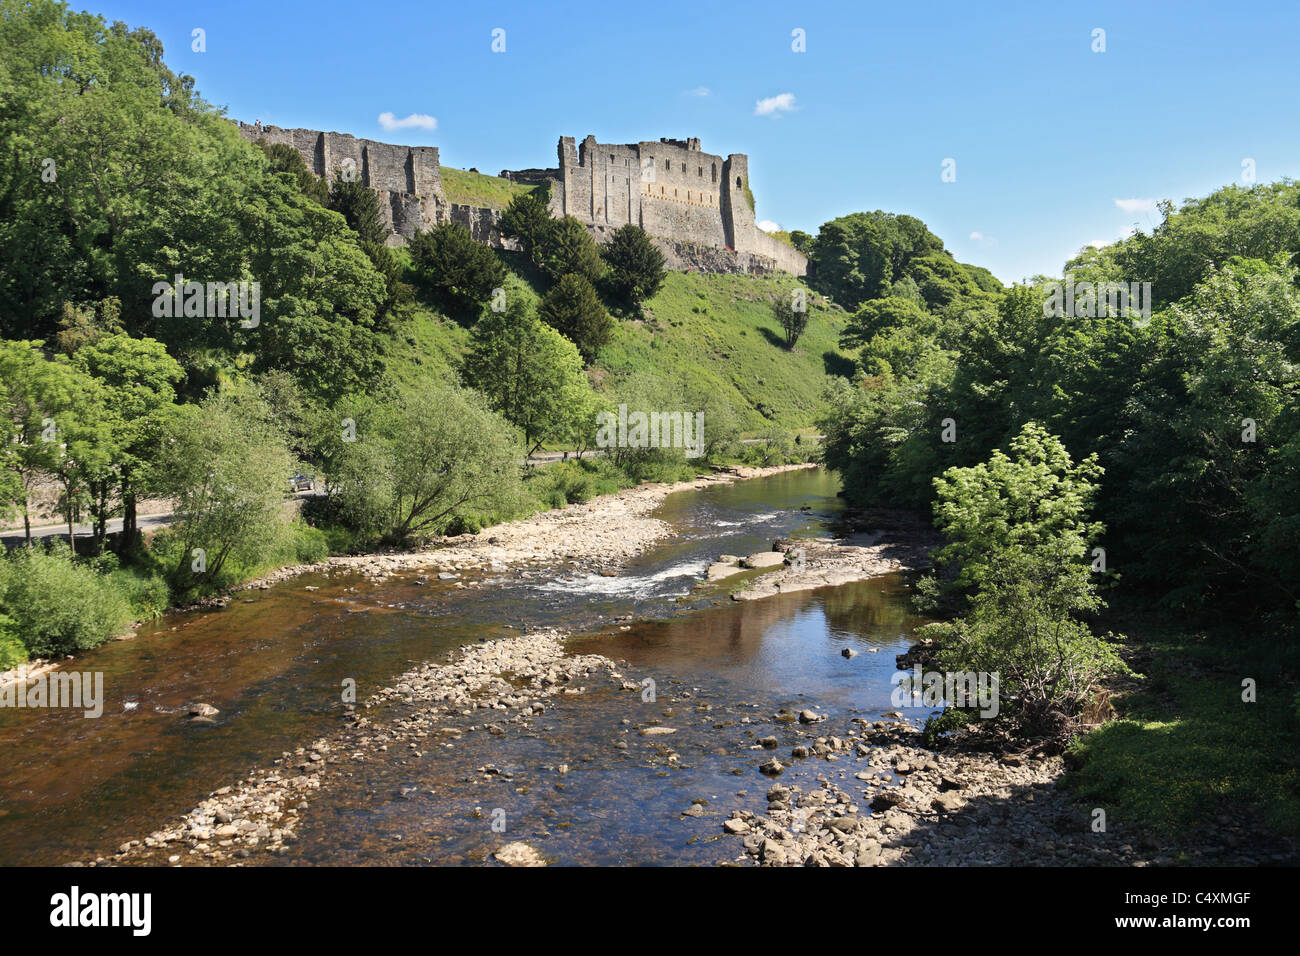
x,y
713,333
717,333
1186,748
475,189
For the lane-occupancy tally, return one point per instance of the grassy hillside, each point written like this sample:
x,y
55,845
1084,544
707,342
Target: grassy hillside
x,y
713,332
717,331
476,189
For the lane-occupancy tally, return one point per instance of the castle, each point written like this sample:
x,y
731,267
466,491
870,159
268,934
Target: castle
x,y
695,205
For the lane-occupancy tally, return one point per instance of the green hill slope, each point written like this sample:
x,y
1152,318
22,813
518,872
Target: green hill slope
x,y
708,332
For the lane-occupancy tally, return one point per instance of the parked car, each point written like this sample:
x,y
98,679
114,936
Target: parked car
x,y
302,483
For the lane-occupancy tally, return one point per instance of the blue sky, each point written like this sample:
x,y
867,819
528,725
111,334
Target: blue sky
x,y
1055,145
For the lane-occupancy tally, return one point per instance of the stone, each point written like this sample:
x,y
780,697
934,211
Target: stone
x,y
764,559
772,767
519,854
203,710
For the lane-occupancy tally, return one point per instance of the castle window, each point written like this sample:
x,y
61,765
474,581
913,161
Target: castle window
x,y
688,195
715,172
661,190
683,167
737,182
674,193
699,171
667,165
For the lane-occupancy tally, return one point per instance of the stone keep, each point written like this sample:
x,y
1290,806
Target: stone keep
x,y
672,190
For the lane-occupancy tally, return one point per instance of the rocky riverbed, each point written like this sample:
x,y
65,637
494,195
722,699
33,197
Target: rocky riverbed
x,y
261,814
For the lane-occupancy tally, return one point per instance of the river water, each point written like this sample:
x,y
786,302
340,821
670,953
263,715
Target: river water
x,y
273,663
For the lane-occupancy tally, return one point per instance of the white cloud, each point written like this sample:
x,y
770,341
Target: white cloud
x,y
774,105
1137,205
415,121
767,225
700,91
1100,243
982,239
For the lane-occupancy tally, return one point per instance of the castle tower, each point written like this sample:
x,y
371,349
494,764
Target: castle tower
x,y
737,217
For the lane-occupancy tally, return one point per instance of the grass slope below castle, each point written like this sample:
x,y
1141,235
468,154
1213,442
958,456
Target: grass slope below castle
x,y
708,332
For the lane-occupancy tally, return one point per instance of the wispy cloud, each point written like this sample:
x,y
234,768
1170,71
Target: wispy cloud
x,y
774,105
1100,243
699,91
982,239
767,225
1137,205
415,121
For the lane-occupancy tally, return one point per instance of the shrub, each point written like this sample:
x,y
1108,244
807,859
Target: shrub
x,y
59,605
12,650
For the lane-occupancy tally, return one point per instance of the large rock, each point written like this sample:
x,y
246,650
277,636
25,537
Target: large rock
x,y
719,571
764,559
519,854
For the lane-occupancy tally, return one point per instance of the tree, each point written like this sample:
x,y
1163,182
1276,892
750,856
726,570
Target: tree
x,y
139,380
424,460
528,220
530,374
54,427
359,205
574,310
226,470
636,266
461,273
791,314
1019,535
285,159
569,248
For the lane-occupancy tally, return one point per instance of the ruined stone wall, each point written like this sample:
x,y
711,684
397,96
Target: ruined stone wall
x,y
687,199
484,225
408,179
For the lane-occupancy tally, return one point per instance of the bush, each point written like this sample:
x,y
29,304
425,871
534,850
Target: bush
x,y
311,545
146,592
59,605
12,650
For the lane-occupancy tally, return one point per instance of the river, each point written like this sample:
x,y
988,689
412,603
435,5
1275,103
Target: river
x,y
274,660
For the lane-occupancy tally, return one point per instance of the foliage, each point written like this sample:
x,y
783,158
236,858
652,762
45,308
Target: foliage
x,y
528,372
636,266
423,461
227,470
574,310
1018,534
567,248
459,272
57,604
